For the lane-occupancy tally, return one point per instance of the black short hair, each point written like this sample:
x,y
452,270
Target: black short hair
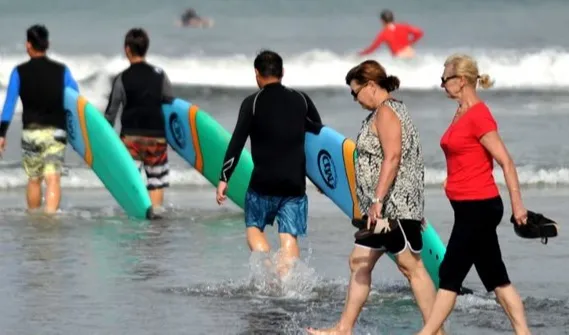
x,y
387,16
269,64
137,41
38,36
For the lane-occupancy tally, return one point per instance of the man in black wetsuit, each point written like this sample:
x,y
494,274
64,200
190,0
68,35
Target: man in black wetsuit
x,y
275,117
140,90
39,83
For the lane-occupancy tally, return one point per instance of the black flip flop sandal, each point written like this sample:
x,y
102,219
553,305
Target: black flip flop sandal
x,y
363,232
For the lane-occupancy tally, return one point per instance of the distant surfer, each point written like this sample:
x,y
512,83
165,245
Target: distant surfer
x,y
190,18
399,37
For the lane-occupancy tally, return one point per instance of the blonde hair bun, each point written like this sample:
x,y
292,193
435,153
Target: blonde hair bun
x,y
485,81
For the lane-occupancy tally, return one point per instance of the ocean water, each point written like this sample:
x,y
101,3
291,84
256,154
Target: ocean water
x,y
94,271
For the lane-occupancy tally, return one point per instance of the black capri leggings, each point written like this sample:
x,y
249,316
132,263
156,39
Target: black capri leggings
x,y
474,241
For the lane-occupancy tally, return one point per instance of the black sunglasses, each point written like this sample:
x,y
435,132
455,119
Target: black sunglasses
x,y
355,94
444,80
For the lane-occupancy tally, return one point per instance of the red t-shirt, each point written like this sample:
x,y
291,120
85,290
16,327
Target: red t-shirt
x,y
469,164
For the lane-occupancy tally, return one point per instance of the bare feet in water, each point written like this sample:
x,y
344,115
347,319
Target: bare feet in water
x,y
328,331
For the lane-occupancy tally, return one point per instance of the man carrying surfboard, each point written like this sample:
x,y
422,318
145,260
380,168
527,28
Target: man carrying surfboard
x,y
275,117
140,90
39,83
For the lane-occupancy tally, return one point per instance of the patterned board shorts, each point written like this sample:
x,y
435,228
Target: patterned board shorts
x,y
151,157
43,151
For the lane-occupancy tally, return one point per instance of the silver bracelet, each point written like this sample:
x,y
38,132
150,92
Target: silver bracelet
x,y
376,201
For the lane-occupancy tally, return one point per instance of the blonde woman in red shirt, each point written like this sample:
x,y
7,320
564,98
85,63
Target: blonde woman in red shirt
x,y
471,144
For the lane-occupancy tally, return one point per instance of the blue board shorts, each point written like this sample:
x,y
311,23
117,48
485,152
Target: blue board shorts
x,y
290,212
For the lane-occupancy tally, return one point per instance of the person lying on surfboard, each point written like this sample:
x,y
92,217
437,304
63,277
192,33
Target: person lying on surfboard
x,y
276,118
190,18
40,84
399,37
140,90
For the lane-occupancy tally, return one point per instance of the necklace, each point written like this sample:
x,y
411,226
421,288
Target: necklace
x,y
457,114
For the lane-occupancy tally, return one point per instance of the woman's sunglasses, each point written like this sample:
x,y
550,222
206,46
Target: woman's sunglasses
x,y
444,80
355,94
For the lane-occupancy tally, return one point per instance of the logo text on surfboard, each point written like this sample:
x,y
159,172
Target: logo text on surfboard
x,y
70,124
177,131
327,168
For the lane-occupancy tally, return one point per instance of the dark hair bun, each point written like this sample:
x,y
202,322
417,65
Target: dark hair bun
x,y
390,83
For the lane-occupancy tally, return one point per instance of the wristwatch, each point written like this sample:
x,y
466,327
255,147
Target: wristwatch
x,y
376,201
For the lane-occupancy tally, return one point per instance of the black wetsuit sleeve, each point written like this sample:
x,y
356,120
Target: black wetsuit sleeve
x,y
238,139
116,100
167,92
311,111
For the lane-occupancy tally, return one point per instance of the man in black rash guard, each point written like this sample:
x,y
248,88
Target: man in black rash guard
x,y
40,84
275,117
140,90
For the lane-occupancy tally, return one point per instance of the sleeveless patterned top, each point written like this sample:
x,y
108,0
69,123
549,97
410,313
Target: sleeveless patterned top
x,y
405,199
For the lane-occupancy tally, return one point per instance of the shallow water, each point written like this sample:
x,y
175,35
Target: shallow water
x,y
92,271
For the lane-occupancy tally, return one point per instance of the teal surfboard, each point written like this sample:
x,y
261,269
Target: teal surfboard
x,y
93,138
201,141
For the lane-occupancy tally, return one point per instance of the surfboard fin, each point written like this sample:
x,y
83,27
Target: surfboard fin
x,y
150,215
